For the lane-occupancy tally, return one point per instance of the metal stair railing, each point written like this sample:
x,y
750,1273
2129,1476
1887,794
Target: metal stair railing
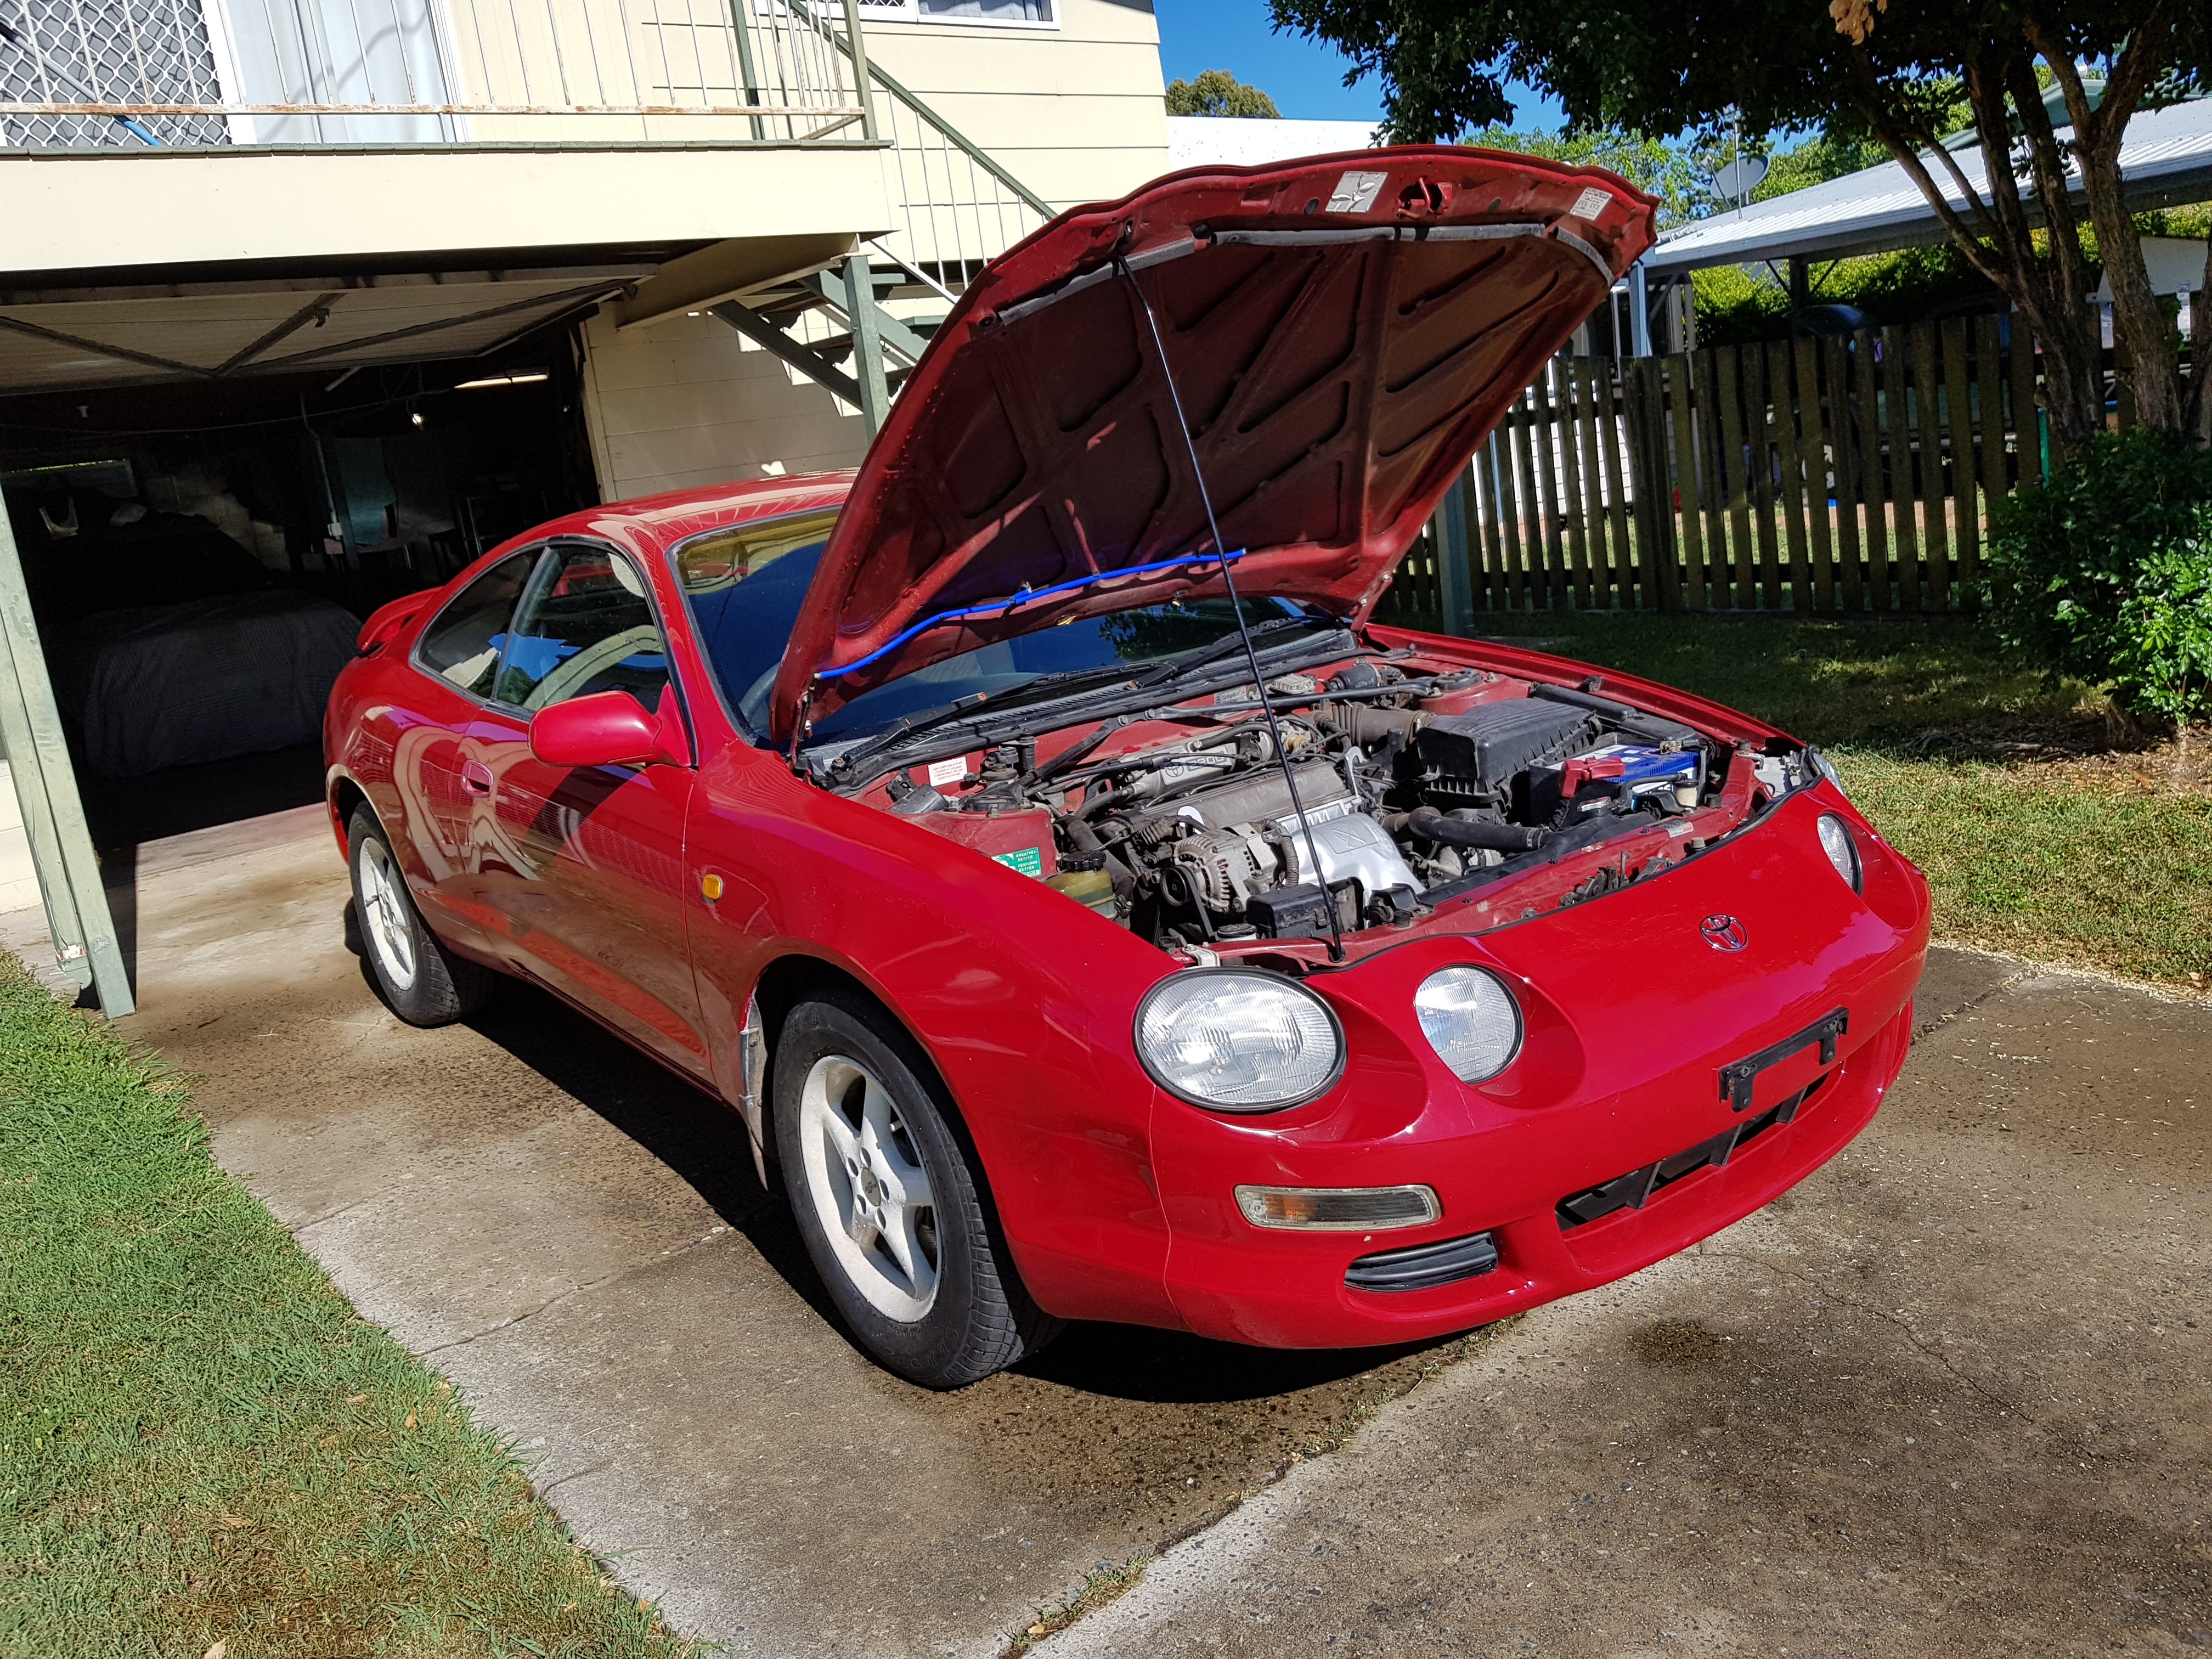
x,y
958,207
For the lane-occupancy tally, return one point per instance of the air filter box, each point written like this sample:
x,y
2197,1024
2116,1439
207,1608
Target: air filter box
x,y
1493,742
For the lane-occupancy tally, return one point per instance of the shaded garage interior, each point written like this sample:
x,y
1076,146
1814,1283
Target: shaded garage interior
x,y
210,484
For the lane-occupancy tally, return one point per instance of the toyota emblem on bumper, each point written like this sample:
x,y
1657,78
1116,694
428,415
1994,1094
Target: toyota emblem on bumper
x,y
1724,933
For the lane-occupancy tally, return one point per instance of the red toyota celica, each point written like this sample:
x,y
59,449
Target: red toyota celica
x,y
1089,911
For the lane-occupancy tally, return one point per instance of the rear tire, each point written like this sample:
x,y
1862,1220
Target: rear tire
x,y
420,980
893,1206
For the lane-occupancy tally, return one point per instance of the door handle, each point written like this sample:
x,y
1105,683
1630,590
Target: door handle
x,y
476,778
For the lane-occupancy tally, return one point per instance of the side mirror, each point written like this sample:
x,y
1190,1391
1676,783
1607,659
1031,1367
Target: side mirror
x,y
608,728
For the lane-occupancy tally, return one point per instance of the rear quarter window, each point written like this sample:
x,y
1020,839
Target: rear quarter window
x,y
462,644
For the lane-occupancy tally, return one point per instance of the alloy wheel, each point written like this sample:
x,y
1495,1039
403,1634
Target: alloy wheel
x,y
385,914
865,1176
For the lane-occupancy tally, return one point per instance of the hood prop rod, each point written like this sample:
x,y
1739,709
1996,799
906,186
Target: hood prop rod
x,y
1237,610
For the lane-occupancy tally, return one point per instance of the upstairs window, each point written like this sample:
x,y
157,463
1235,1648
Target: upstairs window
x,y
990,11
1032,13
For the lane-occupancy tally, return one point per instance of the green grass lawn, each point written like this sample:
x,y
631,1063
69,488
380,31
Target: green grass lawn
x,y
2041,833
201,1442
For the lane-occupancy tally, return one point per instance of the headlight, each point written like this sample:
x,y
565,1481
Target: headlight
x,y
1471,1020
1843,850
1238,1040
1821,764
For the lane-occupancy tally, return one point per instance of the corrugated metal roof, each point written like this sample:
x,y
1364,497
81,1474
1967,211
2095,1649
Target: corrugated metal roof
x,y
2166,158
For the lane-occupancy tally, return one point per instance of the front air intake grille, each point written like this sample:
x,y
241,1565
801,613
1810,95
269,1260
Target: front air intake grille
x,y
1634,1190
1424,1267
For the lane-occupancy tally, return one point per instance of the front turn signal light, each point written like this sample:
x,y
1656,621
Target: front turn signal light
x,y
1339,1209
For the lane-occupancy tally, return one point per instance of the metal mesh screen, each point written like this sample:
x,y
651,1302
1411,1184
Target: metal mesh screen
x,y
140,52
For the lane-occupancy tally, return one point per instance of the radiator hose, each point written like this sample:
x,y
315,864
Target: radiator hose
x,y
1429,824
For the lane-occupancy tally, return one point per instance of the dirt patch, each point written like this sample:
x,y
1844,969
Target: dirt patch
x,y
1678,1345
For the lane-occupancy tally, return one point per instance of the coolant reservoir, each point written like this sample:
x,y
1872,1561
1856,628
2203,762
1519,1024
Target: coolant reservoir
x,y
1093,888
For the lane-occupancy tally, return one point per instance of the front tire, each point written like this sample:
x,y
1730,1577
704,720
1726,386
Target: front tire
x,y
420,980
890,1202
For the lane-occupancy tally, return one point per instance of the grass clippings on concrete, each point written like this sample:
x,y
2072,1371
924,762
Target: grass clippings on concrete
x,y
2047,827
201,1442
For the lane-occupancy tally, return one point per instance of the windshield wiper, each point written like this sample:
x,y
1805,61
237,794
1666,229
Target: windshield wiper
x,y
908,726
990,725
1059,683
1177,667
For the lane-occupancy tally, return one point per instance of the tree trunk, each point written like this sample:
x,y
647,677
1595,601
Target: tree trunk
x,y
2073,358
2139,320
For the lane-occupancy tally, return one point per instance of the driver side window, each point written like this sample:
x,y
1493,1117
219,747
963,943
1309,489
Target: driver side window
x,y
584,626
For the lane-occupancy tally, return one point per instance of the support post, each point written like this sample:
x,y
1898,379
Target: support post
x,y
77,917
867,342
858,47
1640,311
1455,577
746,72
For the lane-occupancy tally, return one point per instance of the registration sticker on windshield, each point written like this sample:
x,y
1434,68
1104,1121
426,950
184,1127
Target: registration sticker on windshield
x,y
1356,191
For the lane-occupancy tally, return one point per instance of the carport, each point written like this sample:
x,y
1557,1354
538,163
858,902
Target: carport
x,y
353,369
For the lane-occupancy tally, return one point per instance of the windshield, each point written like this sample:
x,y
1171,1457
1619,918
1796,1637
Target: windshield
x,y
744,587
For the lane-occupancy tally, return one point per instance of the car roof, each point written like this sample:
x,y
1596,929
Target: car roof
x,y
676,515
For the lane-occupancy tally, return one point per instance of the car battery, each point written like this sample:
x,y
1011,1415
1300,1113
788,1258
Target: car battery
x,y
1627,771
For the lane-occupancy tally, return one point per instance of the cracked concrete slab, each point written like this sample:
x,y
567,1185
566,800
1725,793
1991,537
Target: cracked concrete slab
x,y
577,1238
1947,1397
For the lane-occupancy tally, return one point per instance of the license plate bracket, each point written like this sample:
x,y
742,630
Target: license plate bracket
x,y
1738,1076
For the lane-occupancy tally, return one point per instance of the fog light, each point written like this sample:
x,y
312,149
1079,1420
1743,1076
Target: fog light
x,y
1339,1209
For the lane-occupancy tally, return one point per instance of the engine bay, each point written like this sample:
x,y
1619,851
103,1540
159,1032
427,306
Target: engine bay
x,y
1413,786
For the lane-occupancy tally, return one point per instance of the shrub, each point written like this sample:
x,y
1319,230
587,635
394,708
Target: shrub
x,y
2105,572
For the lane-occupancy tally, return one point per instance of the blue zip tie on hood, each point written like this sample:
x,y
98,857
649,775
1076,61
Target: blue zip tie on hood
x,y
1027,595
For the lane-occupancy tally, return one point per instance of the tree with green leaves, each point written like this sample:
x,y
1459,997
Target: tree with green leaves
x,y
1888,71
1217,92
1676,174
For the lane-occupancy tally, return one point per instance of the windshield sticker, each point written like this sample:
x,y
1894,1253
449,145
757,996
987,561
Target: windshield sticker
x,y
1356,193
1029,860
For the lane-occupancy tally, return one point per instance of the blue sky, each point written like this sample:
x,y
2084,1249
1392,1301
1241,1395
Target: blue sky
x,y
1305,80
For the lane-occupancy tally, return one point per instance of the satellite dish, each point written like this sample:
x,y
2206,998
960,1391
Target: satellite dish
x,y
1739,177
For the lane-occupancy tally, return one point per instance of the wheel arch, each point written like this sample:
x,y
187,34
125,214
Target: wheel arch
x,y
346,797
791,979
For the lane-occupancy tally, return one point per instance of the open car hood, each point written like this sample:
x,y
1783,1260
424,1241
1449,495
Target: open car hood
x,y
1343,332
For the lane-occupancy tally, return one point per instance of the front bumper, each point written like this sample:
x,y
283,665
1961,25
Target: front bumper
x,y
1635,1031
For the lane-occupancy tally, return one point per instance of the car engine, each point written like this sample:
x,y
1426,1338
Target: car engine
x,y
1411,787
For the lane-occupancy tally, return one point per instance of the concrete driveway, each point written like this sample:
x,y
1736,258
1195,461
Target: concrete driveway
x,y
1947,1397
578,1240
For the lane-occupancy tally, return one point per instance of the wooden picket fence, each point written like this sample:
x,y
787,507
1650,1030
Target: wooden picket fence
x,y
1812,476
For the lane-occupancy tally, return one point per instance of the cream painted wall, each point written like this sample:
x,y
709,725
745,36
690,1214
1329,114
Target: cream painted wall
x,y
690,401
19,880
74,209
1077,113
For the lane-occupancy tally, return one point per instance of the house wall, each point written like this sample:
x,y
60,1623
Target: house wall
x,y
74,210
690,401
1077,113
19,880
